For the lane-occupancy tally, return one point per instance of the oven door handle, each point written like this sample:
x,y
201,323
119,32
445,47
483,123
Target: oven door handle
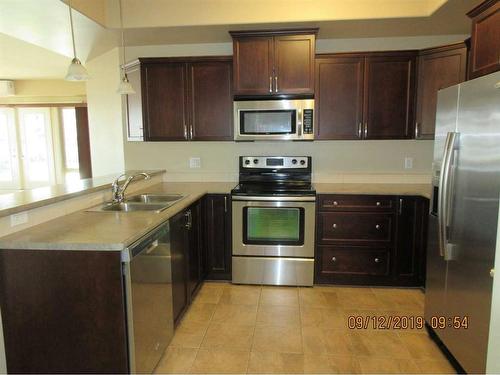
x,y
274,199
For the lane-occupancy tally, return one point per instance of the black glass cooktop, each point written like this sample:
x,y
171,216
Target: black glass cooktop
x,y
276,189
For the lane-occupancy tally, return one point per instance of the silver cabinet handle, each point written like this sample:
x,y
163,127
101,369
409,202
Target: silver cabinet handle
x,y
377,260
191,132
270,84
366,129
275,83
334,226
225,203
416,129
334,259
335,203
377,226
400,206
443,198
189,219
378,203
492,272
185,132
360,126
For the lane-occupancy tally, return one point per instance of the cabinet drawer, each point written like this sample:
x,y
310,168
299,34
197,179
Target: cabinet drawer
x,y
354,260
346,202
355,227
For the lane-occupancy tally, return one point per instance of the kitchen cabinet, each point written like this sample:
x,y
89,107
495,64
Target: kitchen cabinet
x,y
217,236
438,68
339,97
368,95
411,240
370,239
63,311
274,63
485,39
389,95
179,245
183,99
194,227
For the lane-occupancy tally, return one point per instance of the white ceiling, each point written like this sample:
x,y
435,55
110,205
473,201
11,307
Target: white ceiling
x,y
35,38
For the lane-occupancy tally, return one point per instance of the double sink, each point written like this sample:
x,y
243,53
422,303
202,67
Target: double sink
x,y
141,202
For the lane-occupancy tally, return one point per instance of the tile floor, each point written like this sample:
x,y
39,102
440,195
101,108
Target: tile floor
x,y
252,329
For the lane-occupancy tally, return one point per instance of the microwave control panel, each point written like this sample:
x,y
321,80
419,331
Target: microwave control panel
x,y
307,121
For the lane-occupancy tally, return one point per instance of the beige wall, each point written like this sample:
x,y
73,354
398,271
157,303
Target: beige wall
x,y
348,161
105,114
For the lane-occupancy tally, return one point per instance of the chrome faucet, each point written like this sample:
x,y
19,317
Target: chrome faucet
x,y
119,192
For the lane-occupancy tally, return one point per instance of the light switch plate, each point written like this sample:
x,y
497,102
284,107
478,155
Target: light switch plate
x,y
408,163
18,219
194,163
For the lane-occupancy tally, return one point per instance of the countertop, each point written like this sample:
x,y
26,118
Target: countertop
x,y
12,203
115,231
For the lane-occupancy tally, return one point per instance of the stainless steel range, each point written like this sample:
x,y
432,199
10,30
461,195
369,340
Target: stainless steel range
x,y
274,221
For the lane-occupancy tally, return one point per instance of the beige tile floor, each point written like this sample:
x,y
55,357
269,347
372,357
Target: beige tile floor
x,y
251,329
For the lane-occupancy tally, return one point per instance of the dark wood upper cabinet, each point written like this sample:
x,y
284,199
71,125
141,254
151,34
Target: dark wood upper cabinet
x,y
339,97
211,101
274,62
438,68
389,95
164,102
186,98
253,68
485,39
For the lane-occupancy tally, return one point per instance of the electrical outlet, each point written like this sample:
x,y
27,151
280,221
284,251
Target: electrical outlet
x,y
408,162
18,219
194,163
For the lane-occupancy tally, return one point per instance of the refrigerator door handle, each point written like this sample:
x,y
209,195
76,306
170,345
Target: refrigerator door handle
x,y
444,196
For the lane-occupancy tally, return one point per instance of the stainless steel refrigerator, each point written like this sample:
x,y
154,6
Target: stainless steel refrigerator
x,y
464,218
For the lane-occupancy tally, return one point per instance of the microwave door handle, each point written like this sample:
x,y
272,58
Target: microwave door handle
x,y
299,122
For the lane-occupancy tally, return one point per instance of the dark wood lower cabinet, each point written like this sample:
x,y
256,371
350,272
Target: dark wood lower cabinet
x,y
217,235
195,267
371,240
63,311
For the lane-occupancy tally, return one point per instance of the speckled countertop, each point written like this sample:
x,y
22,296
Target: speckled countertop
x,y
84,230
12,203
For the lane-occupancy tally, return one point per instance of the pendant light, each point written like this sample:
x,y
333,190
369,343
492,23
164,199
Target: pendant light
x,y
76,71
124,88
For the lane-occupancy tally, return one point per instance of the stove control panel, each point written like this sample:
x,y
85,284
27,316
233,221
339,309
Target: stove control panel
x,y
275,162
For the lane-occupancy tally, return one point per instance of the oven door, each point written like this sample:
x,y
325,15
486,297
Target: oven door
x,y
273,227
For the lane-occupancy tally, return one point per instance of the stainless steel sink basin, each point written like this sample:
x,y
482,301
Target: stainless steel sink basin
x,y
155,198
142,202
131,207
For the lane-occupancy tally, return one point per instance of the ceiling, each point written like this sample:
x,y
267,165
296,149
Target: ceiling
x,y
35,39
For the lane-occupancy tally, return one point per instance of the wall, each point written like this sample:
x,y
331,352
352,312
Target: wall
x,y
105,114
349,161
46,91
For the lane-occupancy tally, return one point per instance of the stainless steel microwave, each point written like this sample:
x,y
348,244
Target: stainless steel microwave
x,y
271,120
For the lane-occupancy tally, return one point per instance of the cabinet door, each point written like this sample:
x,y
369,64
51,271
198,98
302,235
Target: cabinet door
x,y
389,96
485,39
211,101
294,64
179,243
409,264
164,100
218,236
194,268
339,97
437,69
253,65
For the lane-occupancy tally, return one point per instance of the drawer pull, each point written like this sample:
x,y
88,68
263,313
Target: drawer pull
x,y
334,259
377,226
334,226
378,203
335,203
377,260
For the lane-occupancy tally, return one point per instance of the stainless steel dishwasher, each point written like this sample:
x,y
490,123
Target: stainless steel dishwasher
x,y
148,291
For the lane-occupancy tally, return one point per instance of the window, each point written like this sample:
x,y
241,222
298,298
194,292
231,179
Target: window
x,y
9,168
70,144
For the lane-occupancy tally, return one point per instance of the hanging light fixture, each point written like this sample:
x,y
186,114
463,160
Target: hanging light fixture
x,y
124,88
76,71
